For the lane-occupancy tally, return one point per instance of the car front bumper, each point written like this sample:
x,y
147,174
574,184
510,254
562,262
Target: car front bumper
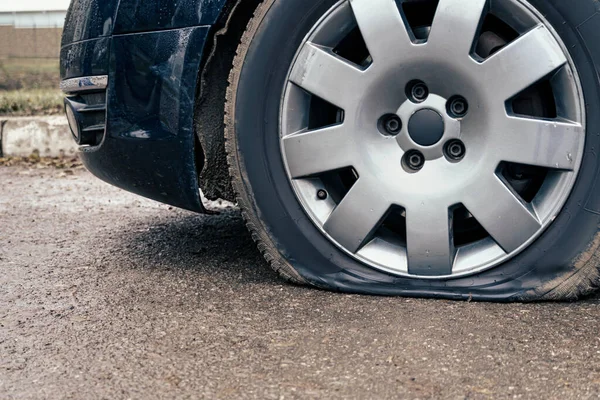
x,y
146,98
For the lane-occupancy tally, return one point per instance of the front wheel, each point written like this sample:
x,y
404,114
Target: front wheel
x,y
425,148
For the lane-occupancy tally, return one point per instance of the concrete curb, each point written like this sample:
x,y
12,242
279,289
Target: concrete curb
x,y
50,136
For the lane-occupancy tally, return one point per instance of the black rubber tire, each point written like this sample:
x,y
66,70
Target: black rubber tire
x,y
562,264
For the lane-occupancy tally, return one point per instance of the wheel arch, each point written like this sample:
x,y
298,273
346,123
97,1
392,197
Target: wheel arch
x,y
224,38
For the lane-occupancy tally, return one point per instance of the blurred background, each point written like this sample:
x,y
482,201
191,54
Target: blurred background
x,y
30,33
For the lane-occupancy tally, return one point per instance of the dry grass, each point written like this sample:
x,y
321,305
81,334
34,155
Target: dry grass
x,y
29,73
31,102
30,87
35,161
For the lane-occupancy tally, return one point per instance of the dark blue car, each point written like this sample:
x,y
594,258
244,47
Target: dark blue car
x,y
439,148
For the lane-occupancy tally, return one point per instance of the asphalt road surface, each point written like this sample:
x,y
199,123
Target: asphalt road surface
x,y
104,295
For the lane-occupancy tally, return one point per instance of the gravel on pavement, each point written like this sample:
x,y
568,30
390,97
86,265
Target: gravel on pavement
x,y
105,295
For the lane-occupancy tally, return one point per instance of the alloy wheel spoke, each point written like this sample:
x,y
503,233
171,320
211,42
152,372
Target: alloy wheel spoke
x,y
429,239
317,151
383,29
463,211
319,71
358,215
523,63
502,214
541,143
455,25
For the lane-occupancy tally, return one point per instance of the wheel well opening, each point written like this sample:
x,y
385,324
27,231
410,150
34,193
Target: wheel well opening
x,y
219,52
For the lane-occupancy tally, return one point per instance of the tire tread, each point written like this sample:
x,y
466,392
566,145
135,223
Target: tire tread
x,y
582,280
243,197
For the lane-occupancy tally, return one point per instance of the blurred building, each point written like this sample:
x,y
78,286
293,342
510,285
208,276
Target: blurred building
x,y
31,32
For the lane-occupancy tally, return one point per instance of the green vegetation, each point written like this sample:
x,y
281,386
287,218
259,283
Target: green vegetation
x,y
30,87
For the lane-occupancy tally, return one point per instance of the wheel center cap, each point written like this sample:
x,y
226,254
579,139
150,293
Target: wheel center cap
x,y
426,127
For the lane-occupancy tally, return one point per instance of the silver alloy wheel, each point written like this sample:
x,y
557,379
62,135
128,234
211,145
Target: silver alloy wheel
x,y
386,176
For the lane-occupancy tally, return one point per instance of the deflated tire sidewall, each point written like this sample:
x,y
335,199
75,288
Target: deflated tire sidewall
x,y
275,37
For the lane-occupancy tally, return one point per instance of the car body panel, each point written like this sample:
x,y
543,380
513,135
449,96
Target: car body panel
x,y
106,17
148,147
144,15
86,58
89,19
152,53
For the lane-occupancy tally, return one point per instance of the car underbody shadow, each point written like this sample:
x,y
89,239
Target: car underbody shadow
x,y
214,248
217,246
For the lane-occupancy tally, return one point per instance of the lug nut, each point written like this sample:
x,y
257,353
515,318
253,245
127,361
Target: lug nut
x,y
419,91
393,125
458,107
455,150
389,124
322,194
414,160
